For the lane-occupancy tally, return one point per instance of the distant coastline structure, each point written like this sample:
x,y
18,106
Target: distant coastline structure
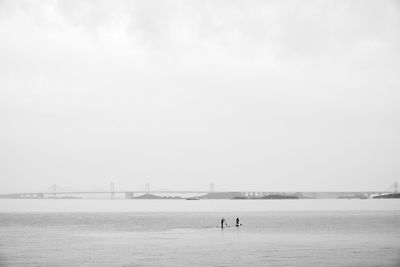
x,y
205,192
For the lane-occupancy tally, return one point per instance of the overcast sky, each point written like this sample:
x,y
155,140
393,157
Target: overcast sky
x,y
252,95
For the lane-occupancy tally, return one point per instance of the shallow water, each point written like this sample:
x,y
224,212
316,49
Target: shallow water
x,y
351,236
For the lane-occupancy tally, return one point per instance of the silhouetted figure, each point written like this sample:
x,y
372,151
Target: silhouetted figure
x,y
223,222
237,222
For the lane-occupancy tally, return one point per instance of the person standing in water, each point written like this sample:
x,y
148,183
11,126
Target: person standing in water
x,y
223,222
237,222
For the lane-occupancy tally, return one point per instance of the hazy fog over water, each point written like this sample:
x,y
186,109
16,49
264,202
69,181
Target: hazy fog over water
x,y
250,95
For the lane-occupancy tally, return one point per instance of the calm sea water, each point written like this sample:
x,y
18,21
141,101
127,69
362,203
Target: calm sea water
x,y
185,233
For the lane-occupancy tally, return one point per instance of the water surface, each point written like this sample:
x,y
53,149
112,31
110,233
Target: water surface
x,y
159,233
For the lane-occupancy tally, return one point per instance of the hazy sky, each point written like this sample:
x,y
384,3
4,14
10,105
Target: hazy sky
x,y
254,95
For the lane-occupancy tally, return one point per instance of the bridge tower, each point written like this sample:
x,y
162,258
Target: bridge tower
x,y
54,190
147,188
112,192
211,187
396,188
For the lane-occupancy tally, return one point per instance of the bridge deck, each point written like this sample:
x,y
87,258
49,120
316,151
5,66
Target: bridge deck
x,y
173,192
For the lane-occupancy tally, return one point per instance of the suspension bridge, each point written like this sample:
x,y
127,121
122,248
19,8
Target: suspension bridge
x,y
55,191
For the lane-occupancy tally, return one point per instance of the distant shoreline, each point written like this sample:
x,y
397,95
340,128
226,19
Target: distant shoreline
x,y
396,195
210,195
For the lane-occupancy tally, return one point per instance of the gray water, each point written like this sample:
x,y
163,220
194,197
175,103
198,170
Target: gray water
x,y
300,235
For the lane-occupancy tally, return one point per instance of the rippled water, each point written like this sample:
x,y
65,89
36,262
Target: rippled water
x,y
300,235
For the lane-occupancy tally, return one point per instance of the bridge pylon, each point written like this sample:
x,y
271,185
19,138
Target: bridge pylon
x,y
112,192
211,187
54,190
